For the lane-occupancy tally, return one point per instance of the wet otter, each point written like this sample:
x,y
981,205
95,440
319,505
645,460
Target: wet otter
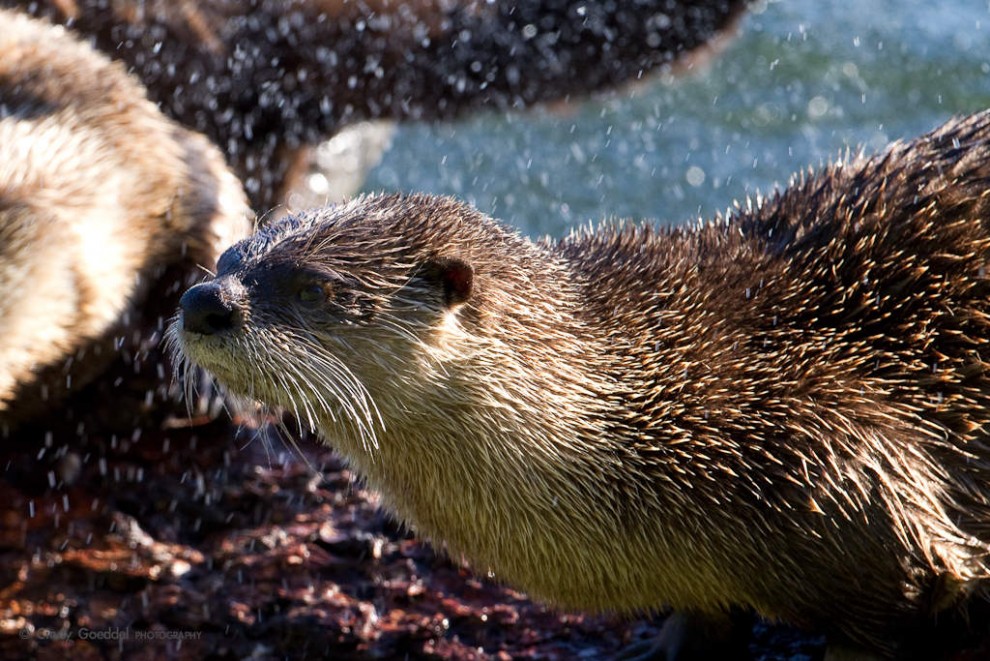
x,y
785,410
100,195
264,79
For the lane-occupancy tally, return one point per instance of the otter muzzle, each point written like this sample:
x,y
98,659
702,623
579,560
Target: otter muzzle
x,y
208,310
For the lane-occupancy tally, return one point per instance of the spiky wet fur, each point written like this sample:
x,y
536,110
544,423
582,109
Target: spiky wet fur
x,y
783,410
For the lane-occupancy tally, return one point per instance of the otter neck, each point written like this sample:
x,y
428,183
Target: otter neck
x,y
511,457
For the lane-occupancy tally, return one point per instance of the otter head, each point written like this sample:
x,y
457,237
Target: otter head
x,y
442,354
332,313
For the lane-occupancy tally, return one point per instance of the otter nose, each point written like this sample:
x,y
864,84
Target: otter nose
x,y
205,310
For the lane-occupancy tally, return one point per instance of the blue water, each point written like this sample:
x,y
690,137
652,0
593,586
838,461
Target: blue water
x,y
802,81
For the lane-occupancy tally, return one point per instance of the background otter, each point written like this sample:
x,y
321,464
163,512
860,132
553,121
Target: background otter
x,y
784,410
102,199
265,78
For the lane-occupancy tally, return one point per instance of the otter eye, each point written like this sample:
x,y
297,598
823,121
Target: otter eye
x,y
312,293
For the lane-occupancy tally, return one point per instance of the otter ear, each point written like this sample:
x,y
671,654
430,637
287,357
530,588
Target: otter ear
x,y
454,276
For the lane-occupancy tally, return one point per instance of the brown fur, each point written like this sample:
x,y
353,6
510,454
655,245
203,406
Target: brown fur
x,y
264,78
785,410
99,194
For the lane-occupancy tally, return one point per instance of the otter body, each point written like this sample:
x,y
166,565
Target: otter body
x,y
100,194
784,410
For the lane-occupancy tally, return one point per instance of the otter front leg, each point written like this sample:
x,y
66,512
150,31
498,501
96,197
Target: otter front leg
x,y
691,636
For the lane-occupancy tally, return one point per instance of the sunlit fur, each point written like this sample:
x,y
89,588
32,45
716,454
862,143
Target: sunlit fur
x,y
783,410
99,195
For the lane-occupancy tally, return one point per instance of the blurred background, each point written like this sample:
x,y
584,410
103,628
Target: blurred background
x,y
802,81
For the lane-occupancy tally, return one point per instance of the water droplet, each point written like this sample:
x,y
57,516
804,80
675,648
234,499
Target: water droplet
x,y
817,107
695,176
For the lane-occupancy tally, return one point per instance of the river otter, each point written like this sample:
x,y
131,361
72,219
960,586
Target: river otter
x,y
266,78
100,195
785,410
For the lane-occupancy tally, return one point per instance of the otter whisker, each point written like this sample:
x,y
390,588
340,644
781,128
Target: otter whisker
x,y
296,368
332,373
206,270
351,396
358,393
400,329
294,379
297,392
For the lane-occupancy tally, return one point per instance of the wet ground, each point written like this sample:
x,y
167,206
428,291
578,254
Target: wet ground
x,y
198,543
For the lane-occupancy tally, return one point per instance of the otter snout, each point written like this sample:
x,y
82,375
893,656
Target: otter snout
x,y
209,308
